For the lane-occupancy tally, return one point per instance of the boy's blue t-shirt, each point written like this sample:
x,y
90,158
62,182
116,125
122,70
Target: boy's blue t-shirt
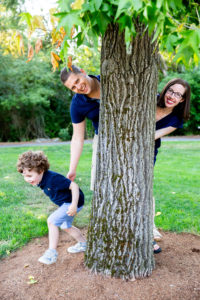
x,y
170,120
56,187
84,107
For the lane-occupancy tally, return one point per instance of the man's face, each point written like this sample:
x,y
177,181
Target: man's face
x,y
32,176
79,83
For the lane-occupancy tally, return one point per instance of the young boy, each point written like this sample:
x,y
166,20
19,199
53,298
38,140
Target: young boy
x,y
34,166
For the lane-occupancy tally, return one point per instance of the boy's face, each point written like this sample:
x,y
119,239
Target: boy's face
x,y
32,176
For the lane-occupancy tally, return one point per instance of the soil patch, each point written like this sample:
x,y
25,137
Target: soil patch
x,y
176,276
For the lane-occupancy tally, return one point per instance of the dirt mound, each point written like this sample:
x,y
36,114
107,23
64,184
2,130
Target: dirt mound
x,y
177,274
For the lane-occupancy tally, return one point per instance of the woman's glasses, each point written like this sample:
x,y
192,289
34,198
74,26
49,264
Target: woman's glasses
x,y
177,95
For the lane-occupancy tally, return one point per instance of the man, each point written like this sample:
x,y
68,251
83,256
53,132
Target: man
x,y
85,104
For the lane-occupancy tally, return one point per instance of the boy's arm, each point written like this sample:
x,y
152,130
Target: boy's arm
x,y
75,197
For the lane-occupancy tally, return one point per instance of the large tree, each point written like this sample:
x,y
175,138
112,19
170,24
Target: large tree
x,y
120,230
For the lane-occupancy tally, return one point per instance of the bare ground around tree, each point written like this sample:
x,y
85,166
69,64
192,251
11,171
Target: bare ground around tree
x,y
176,276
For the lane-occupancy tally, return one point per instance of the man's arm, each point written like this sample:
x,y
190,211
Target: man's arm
x,y
75,196
76,148
164,131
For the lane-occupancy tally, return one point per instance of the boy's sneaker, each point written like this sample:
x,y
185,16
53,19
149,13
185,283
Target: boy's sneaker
x,y
49,257
79,247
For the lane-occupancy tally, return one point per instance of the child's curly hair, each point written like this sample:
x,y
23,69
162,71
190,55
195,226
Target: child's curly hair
x,y
33,160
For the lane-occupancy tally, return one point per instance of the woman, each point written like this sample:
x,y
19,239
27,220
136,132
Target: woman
x,y
173,107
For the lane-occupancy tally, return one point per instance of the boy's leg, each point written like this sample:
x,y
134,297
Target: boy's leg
x,y
50,255
53,236
75,233
54,221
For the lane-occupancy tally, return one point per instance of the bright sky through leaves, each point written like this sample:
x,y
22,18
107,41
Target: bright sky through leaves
x,y
38,7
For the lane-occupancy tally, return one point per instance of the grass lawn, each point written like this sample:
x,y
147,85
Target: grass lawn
x,y
24,208
177,187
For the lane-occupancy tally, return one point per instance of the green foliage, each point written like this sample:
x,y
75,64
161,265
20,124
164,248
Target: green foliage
x,y
174,23
87,59
12,4
193,78
65,134
33,102
27,18
89,134
9,28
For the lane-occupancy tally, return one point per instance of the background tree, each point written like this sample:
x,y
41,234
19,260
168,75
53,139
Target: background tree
x,y
33,102
120,231
10,38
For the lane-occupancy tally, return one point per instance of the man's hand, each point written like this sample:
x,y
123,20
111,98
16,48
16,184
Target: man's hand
x,y
71,175
72,210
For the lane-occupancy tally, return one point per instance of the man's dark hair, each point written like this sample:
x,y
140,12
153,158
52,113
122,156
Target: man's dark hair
x,y
64,74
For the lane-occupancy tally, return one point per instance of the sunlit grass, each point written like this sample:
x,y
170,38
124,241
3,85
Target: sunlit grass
x,y
176,186
24,209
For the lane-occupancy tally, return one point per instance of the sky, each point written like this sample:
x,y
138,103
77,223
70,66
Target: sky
x,y
39,7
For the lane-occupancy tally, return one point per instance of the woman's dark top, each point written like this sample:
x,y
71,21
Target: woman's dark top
x,y
170,120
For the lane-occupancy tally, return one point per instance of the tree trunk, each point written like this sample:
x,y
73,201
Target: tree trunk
x,y
120,233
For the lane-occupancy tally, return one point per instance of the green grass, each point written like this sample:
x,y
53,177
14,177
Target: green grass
x,y
24,208
177,186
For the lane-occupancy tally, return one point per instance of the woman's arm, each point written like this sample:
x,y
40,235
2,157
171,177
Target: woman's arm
x,y
164,131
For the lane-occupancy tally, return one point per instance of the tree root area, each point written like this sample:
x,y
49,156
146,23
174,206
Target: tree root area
x,y
176,276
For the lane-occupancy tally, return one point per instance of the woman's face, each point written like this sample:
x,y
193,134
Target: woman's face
x,y
174,95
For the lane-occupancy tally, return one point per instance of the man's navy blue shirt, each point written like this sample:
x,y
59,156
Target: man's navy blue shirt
x,y
170,120
56,187
84,107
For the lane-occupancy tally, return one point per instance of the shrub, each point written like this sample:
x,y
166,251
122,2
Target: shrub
x,y
65,134
33,101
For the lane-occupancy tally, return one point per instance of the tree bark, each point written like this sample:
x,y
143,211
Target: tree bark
x,y
120,233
